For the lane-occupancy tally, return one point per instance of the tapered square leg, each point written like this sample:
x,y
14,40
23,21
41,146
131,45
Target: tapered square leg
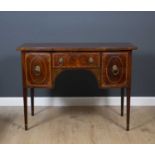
x,y
128,108
25,107
32,101
122,101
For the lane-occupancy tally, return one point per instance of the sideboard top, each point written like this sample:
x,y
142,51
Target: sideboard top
x,y
76,47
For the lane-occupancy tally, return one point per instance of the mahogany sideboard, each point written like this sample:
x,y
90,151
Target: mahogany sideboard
x,y
110,63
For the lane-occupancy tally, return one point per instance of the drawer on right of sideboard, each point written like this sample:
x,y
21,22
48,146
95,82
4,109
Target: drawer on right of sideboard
x,y
115,69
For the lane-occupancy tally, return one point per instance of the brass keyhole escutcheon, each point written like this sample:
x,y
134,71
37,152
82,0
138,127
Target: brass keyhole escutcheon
x,y
91,60
115,70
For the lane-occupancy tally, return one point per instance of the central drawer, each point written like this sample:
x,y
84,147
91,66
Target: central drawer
x,y
76,60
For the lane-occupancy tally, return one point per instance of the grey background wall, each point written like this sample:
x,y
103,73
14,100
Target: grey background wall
x,y
19,27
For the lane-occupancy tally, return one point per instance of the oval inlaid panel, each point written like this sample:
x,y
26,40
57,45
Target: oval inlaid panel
x,y
40,75
114,70
38,69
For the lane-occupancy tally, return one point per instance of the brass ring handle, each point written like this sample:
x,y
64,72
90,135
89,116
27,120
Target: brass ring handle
x,y
61,60
91,60
37,70
115,70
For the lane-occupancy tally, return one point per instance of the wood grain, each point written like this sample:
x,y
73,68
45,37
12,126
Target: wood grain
x,y
76,60
110,63
77,125
110,79
41,77
76,47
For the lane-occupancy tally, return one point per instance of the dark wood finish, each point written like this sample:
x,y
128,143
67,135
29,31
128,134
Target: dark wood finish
x,y
24,92
25,107
32,101
128,108
76,60
110,63
114,69
38,69
128,92
122,101
76,47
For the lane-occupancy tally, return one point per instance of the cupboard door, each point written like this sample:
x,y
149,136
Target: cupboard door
x,y
38,69
114,69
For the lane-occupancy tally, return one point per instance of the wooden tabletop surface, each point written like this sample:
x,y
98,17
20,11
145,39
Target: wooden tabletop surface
x,y
76,47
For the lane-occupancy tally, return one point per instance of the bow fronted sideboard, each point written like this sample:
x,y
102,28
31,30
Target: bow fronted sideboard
x,y
110,63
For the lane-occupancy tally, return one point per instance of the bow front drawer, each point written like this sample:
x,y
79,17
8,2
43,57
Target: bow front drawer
x,y
76,60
